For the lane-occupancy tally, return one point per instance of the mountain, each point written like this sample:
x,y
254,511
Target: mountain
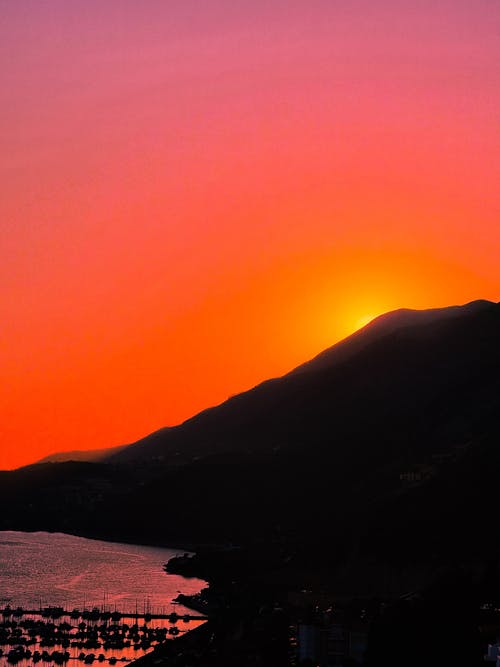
x,y
376,461
88,455
403,412
374,385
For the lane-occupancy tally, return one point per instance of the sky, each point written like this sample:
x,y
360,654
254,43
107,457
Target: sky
x,y
197,196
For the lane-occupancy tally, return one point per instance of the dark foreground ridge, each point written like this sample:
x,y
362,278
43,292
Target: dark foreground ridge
x,y
367,473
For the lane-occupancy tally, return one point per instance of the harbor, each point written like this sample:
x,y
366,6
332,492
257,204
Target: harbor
x,y
71,600
54,635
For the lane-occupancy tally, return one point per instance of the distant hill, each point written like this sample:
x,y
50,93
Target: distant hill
x,y
89,455
377,460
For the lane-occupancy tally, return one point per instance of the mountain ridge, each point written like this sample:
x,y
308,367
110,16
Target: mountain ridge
x,y
341,467
88,455
332,359
393,320
341,352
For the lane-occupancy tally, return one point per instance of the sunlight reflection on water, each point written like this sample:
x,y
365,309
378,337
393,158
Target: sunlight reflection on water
x,y
42,569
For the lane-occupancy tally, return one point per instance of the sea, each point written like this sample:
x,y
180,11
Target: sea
x,y
40,570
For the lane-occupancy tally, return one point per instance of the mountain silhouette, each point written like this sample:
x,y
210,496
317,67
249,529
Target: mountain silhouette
x,y
400,381
377,459
89,455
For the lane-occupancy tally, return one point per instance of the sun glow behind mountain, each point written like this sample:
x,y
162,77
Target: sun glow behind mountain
x,y
363,321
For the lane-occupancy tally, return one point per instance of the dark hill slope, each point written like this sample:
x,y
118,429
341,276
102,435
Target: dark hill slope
x,y
408,384
86,455
317,457
383,326
381,453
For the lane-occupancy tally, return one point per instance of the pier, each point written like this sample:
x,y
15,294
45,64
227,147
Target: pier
x,y
96,614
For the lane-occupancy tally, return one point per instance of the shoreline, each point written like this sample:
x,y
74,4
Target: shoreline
x,y
184,547
129,572
179,623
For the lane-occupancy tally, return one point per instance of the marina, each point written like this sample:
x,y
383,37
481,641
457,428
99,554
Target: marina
x,y
53,635
72,600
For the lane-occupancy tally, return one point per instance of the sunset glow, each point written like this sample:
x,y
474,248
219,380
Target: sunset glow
x,y
199,196
363,321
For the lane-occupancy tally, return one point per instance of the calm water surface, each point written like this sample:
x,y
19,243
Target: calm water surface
x,y
45,569
67,571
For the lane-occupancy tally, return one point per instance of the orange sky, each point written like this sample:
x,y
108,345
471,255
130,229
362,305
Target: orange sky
x,y
196,198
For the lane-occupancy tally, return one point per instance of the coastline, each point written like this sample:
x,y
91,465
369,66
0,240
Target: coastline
x,y
181,546
89,570
25,609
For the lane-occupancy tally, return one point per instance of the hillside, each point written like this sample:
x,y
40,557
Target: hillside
x,y
378,456
374,385
88,455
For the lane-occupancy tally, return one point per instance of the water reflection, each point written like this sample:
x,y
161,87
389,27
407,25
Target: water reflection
x,y
28,639
101,579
